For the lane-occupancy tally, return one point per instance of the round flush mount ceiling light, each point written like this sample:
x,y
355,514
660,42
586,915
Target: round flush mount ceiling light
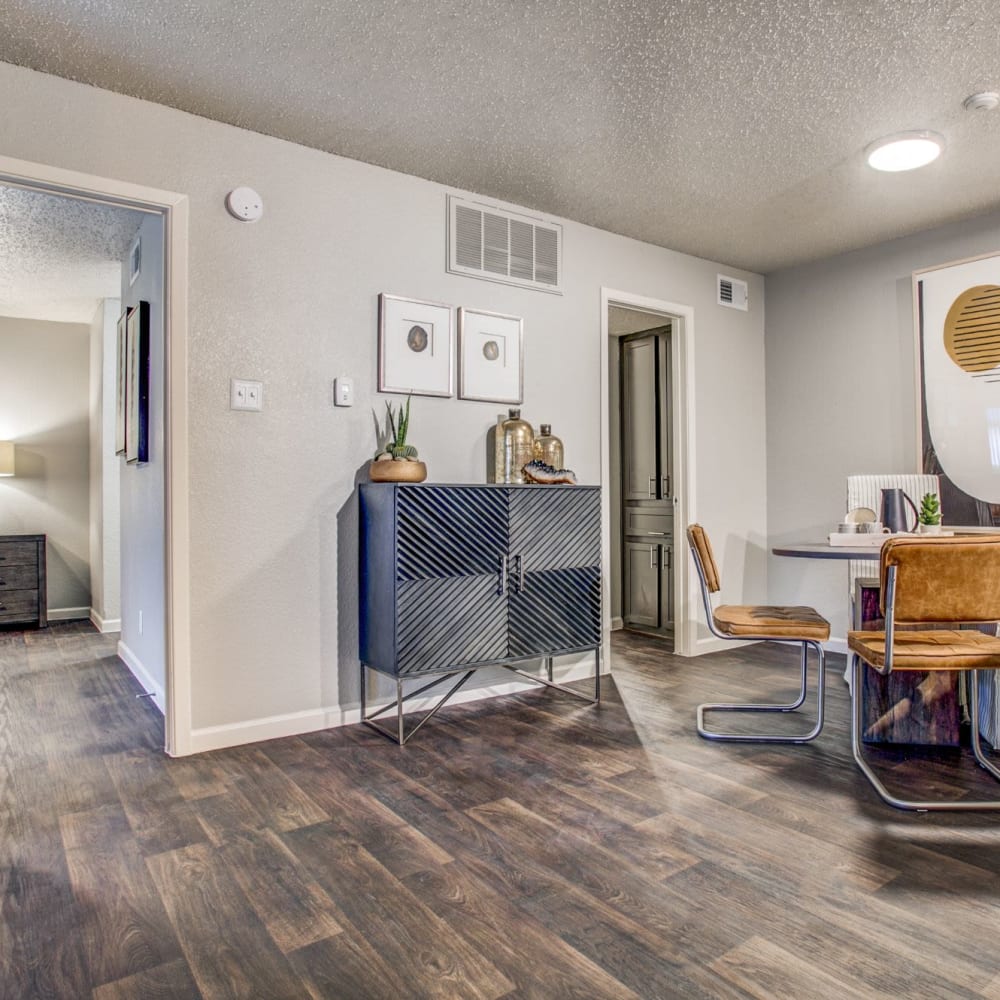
x,y
904,151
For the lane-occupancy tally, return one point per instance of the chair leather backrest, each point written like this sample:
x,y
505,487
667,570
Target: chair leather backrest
x,y
702,549
944,579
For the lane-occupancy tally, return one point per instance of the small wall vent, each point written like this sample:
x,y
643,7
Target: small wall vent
x,y
732,293
485,241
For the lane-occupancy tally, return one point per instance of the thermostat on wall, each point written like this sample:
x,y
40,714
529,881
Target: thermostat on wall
x,y
245,204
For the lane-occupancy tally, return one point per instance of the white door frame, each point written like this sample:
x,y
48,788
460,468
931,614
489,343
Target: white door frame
x,y
174,209
682,390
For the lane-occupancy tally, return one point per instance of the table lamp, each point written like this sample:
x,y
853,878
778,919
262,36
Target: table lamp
x,y
6,458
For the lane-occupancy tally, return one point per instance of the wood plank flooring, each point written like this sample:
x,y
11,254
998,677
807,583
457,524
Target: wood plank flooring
x,y
525,847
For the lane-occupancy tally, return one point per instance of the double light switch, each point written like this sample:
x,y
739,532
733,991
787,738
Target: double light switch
x,y
245,394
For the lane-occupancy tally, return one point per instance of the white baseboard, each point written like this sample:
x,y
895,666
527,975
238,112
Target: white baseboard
x,y
105,625
67,614
271,727
297,723
710,644
143,676
617,624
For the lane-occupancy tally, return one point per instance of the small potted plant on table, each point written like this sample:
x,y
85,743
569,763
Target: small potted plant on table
x,y
396,461
930,515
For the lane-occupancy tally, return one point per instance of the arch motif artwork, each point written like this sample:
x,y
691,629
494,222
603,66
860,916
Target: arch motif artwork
x,y
958,339
972,331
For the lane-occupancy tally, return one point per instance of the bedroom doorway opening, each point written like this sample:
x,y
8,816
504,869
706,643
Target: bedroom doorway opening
x,y
155,613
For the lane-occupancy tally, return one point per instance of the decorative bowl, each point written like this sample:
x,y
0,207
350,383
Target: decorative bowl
x,y
397,471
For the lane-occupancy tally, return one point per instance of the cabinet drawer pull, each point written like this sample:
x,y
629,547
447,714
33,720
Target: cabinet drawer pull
x,y
665,481
519,571
652,557
652,487
502,582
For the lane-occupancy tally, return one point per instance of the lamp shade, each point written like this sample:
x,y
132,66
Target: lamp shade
x,y
6,458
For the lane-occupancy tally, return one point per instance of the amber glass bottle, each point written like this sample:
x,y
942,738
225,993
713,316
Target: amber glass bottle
x,y
548,448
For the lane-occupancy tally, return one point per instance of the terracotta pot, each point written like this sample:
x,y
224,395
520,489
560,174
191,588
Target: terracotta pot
x,y
397,471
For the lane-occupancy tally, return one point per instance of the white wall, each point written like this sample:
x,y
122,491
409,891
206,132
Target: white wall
x,y
45,411
105,579
143,556
841,396
292,300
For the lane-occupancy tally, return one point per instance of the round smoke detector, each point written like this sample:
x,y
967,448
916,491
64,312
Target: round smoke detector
x,y
985,101
245,204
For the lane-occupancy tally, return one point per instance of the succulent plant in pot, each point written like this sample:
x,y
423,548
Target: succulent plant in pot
x,y
930,514
395,460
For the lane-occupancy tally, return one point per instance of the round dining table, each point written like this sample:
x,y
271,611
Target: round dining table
x,y
824,550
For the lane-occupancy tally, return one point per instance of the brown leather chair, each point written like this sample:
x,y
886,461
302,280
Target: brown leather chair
x,y
800,625
936,582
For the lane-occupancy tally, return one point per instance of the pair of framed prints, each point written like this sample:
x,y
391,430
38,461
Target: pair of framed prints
x,y
416,351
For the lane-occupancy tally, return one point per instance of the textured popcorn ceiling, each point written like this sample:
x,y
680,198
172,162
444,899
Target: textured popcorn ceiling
x,y
58,256
731,130
622,321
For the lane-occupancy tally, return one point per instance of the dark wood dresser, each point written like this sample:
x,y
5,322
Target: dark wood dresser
x,y
22,580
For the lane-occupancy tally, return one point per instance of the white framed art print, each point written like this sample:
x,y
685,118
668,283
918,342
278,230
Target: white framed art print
x,y
415,346
491,357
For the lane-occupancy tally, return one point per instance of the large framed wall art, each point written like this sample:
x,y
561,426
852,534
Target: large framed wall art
x,y
958,379
137,384
121,383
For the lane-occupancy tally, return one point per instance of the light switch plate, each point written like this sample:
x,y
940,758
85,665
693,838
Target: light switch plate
x,y
245,394
343,391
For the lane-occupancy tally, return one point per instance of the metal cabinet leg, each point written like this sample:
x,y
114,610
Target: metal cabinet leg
x,y
562,687
399,734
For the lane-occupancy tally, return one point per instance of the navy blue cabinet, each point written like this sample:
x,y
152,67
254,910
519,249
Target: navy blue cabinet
x,y
458,577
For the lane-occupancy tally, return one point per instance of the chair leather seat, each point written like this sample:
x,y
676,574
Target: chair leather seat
x,y
767,621
947,649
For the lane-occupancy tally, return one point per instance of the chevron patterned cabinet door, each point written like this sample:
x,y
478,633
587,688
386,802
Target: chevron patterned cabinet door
x,y
451,573
555,545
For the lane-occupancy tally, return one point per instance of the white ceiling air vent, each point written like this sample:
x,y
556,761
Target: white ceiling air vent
x,y
733,293
485,241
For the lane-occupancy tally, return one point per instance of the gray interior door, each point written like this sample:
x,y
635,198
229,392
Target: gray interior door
x,y
665,420
640,418
647,481
641,604
666,585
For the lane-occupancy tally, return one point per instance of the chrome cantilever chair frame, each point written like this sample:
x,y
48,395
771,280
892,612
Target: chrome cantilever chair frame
x,y
857,724
786,707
